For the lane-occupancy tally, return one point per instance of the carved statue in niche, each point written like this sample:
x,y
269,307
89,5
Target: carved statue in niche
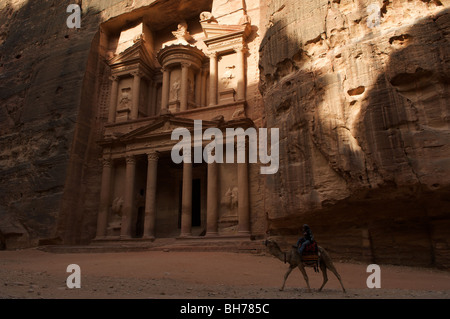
x,y
230,199
175,91
182,33
117,205
228,76
125,99
116,218
191,92
229,210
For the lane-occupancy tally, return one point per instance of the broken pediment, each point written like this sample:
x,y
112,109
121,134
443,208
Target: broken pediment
x,y
219,36
134,55
164,126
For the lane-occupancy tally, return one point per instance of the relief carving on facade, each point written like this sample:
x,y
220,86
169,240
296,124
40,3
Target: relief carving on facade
x,y
228,76
125,99
175,91
182,34
229,203
115,222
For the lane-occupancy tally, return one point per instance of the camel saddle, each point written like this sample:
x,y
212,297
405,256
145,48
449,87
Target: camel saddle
x,y
310,256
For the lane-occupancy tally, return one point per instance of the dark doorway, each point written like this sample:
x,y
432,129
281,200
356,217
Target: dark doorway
x,y
140,222
196,203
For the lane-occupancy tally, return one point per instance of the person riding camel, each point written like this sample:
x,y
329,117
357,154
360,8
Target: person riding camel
x,y
304,241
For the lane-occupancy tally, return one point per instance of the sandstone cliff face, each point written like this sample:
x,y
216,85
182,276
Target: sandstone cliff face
x,y
363,112
42,67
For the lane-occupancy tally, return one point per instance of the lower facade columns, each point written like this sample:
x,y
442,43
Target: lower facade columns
x,y
130,175
186,204
105,198
212,208
150,196
243,198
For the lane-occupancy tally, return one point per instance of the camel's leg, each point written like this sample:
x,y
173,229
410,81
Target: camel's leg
x,y
302,269
323,267
286,275
334,271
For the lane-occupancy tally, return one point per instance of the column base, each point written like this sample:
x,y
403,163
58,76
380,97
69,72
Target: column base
x,y
212,234
151,238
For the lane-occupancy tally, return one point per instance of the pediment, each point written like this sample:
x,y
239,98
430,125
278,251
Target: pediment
x,y
164,127
134,54
214,30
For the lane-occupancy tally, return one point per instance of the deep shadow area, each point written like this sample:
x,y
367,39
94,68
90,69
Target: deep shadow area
x,y
388,202
43,65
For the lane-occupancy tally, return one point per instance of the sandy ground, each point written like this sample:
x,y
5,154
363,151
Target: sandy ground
x,y
33,273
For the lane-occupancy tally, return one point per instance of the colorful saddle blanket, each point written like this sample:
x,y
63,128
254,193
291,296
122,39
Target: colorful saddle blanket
x,y
310,256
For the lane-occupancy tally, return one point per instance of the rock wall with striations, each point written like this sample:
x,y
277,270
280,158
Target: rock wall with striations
x,y
360,92
42,71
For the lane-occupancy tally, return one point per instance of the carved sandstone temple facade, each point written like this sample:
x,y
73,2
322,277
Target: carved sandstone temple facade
x,y
161,81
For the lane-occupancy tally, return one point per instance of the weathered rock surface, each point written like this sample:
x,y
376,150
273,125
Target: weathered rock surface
x,y
363,111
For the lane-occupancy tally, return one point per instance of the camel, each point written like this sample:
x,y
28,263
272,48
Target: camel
x,y
294,260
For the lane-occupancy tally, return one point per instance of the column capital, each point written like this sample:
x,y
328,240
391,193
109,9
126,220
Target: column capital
x,y
165,69
137,73
114,78
240,48
185,65
152,156
130,159
106,162
212,54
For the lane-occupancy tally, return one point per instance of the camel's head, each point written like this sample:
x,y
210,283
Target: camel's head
x,y
270,243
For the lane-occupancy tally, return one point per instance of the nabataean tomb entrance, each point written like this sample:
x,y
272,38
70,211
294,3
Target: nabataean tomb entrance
x,y
161,80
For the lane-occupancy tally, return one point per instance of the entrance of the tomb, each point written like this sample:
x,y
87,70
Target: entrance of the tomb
x,y
169,198
196,203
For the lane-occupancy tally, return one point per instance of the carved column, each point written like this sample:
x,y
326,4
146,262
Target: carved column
x,y
150,99
125,231
203,89
153,98
150,196
213,78
243,194
212,211
240,94
184,86
198,88
186,201
113,100
105,198
165,90
136,95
